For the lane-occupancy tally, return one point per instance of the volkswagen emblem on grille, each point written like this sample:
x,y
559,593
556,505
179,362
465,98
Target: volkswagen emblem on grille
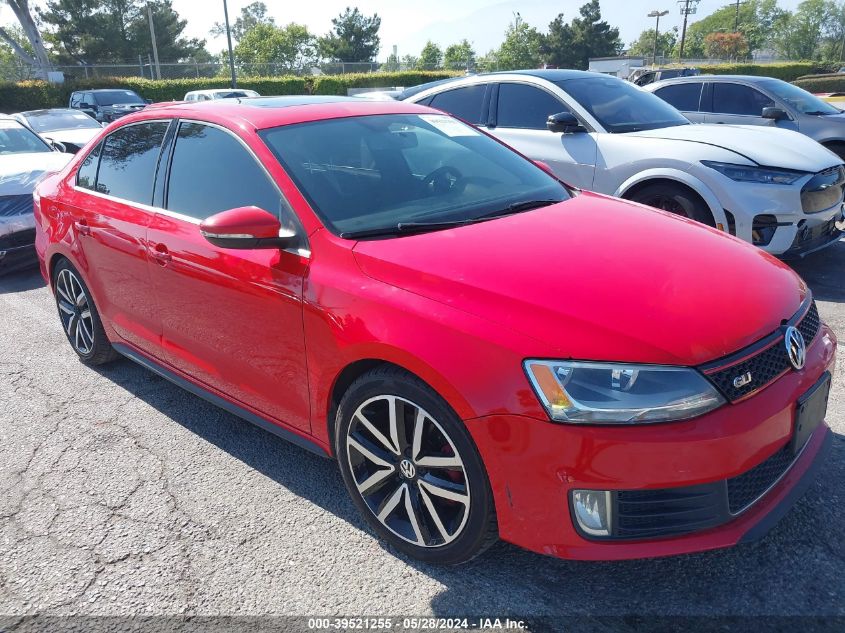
x,y
406,467
796,349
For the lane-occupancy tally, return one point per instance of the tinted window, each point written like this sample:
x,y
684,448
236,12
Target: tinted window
x,y
87,174
374,172
462,102
211,172
684,97
738,99
526,106
620,106
75,99
128,162
110,97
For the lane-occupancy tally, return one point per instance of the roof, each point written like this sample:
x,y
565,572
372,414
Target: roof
x,y
551,74
265,112
750,78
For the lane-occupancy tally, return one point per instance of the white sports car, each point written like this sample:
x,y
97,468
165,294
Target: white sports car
x,y
25,158
775,188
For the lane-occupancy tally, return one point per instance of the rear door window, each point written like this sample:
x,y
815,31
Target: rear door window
x,y
685,97
464,103
128,161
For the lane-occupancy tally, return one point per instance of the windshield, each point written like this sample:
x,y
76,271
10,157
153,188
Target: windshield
x,y
234,94
16,139
45,121
798,98
621,107
110,97
369,172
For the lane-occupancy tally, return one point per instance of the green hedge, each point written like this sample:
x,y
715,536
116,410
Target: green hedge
x,y
822,83
32,95
788,71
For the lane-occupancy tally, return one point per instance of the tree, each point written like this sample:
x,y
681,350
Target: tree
x,y
354,37
521,47
12,66
430,57
756,22
801,34
36,54
116,31
726,45
459,56
643,46
289,48
251,16
572,45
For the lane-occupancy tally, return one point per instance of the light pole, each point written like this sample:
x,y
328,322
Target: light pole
x,y
656,14
229,39
688,8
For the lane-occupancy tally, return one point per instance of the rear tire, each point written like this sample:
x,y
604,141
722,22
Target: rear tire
x,y
675,199
79,317
412,468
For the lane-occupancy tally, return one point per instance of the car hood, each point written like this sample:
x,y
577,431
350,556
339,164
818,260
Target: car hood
x,y
595,278
763,145
19,173
78,136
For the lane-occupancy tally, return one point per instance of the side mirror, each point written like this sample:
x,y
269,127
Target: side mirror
x,y
246,228
56,145
87,106
775,114
565,122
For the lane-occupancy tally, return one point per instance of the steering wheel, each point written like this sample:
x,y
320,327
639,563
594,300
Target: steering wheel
x,y
442,179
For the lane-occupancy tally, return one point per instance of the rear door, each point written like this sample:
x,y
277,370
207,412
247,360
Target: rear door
x,y
519,119
111,209
737,104
231,319
685,97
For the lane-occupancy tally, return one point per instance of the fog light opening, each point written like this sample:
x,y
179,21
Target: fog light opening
x,y
763,229
592,511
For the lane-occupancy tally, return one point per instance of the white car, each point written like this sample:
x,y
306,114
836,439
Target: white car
x,y
25,158
72,128
775,188
219,93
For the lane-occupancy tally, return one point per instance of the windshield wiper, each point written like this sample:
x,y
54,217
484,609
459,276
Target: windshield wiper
x,y
819,113
408,228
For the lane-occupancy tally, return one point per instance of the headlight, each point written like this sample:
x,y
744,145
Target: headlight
x,y
618,393
745,173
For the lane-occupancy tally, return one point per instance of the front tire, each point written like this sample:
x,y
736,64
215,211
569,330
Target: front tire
x,y
674,199
79,317
412,468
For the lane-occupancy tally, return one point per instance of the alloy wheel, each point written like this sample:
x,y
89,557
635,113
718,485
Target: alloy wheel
x,y
75,312
408,471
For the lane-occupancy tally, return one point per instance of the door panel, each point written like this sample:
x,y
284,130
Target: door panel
x,y
231,319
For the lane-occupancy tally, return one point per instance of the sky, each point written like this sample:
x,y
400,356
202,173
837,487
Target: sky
x,y
408,24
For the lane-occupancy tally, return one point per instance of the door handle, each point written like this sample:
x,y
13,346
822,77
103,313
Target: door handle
x,y
161,255
82,227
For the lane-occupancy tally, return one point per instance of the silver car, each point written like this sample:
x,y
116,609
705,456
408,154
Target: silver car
x,y
748,100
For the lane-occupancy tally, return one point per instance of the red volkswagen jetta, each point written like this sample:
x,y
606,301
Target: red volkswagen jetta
x,y
486,352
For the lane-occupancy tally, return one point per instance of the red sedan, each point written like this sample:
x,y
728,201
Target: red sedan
x,y
486,352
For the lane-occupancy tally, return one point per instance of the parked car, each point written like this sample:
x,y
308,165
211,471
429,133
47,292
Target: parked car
x,y
24,159
71,128
222,93
646,76
774,188
741,100
484,351
107,105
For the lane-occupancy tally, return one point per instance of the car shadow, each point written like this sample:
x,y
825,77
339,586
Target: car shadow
x,y
823,271
795,569
21,281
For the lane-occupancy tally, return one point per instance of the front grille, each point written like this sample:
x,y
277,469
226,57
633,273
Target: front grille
x,y
668,512
756,366
824,190
746,488
15,205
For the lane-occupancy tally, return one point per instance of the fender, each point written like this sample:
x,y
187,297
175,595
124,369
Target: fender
x,y
684,178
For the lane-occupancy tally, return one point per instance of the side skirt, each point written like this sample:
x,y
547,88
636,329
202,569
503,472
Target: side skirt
x,y
214,399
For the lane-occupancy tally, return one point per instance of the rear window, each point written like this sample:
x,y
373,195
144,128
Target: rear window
x,y
111,97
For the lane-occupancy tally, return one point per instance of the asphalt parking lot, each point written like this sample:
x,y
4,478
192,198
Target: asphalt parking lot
x,y
121,493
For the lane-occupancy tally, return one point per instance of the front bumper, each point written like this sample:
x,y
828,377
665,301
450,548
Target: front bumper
x,y
533,466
